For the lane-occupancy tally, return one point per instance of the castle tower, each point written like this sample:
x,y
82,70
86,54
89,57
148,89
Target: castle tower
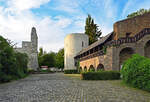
x,y
34,39
34,50
74,43
31,49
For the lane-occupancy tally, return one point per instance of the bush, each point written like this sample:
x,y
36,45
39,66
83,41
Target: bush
x,y
136,72
13,65
100,75
71,71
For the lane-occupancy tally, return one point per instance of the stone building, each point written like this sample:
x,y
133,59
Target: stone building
x,y
73,44
30,48
129,36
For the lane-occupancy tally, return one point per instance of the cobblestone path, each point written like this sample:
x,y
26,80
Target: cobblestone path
x,y
60,88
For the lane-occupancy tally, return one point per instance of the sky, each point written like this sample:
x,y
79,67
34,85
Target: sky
x,y
54,19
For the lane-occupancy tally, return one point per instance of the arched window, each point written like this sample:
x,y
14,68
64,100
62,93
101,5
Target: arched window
x,y
100,67
91,68
85,69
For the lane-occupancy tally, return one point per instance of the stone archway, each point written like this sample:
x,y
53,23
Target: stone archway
x,y
85,69
100,67
80,69
91,68
147,49
125,54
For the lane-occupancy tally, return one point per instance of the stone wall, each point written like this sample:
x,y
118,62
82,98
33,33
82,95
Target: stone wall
x,y
116,55
138,47
131,26
30,48
105,60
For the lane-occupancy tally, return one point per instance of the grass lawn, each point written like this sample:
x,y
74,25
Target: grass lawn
x,y
120,83
73,75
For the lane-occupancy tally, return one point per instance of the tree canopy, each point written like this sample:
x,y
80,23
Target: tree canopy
x,y
92,30
139,12
13,65
60,59
51,59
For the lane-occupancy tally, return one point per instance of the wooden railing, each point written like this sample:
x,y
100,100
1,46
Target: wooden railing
x,y
95,54
134,39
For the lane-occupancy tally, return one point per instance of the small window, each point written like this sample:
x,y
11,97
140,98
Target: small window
x,y
128,34
82,44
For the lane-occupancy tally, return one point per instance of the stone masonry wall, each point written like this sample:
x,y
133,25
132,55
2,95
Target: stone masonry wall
x,y
105,60
131,25
30,48
138,47
113,60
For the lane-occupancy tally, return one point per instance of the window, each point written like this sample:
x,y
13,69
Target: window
x,y
128,34
82,44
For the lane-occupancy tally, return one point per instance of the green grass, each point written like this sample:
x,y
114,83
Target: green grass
x,y
73,75
120,83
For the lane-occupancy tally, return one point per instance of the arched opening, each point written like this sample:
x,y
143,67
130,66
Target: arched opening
x,y
147,49
91,68
80,69
125,54
85,69
100,67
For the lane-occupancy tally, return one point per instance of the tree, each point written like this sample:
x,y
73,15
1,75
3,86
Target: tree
x,y
91,29
51,59
48,59
139,12
41,52
60,59
13,65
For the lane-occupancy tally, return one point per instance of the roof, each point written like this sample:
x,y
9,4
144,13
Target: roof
x,y
99,42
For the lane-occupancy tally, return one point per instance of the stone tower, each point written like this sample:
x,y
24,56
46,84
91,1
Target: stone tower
x,y
34,50
34,39
31,49
74,43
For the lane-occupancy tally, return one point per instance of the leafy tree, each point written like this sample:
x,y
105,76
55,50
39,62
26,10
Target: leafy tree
x,y
48,59
41,52
139,12
60,59
51,59
91,29
13,65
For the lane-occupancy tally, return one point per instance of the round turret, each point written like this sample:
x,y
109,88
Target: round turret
x,y
74,43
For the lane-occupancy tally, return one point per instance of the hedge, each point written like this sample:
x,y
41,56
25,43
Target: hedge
x,y
136,72
71,71
101,75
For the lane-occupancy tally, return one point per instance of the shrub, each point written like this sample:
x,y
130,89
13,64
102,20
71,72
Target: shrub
x,y
136,72
101,75
71,71
13,65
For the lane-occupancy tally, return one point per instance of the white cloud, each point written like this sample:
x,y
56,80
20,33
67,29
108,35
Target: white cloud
x,y
134,5
16,26
69,6
110,8
26,4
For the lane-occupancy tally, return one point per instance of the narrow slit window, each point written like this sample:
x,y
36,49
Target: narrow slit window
x,y
82,44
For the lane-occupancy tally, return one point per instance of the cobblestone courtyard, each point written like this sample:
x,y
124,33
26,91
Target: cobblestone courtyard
x,y
60,88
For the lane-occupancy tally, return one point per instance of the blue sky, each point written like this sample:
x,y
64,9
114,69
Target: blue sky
x,y
54,19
